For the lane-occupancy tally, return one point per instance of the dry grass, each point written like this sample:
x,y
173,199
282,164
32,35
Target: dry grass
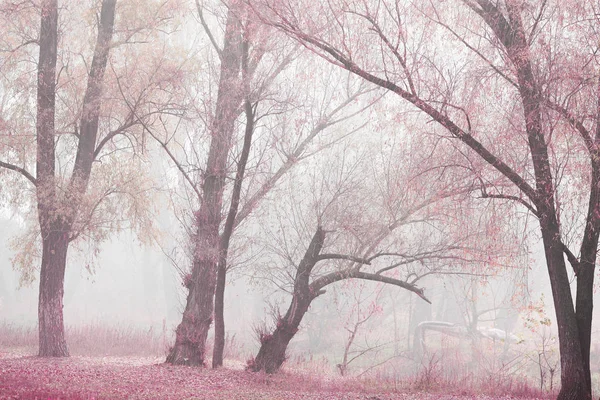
x,y
92,340
119,362
134,378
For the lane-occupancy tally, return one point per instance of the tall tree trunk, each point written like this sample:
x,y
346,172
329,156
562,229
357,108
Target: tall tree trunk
x,y
50,307
585,268
228,231
191,334
584,310
573,382
54,244
512,34
56,216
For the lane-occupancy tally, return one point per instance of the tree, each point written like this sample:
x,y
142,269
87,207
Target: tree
x,y
74,131
192,332
395,228
517,50
271,355
247,87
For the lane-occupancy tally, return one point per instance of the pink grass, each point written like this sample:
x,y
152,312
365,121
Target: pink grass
x,y
126,363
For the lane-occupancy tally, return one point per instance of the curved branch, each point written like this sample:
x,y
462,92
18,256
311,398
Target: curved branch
x,y
207,30
111,135
575,124
20,170
531,208
316,287
174,159
572,259
359,260
340,59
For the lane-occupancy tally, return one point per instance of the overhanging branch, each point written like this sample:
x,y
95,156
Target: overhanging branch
x,y
317,286
20,170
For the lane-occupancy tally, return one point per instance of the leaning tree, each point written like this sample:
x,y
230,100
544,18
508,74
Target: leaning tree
x,y
384,214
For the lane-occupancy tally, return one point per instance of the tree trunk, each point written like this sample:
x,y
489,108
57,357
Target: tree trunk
x,y
271,355
55,215
189,348
190,342
584,309
585,268
50,308
219,345
573,382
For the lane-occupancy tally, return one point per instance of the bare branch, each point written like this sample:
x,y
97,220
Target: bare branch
x,y
112,134
477,52
186,176
207,30
531,208
318,284
20,170
355,259
537,22
346,63
575,123
572,259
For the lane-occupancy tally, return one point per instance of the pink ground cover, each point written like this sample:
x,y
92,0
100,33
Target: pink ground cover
x,y
29,377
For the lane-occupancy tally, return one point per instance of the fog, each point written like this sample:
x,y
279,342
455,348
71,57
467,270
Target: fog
x,y
136,286
401,192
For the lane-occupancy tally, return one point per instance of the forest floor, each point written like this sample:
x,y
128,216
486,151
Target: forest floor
x,y
25,376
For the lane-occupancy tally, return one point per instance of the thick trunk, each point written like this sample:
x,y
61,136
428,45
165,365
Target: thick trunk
x,y
56,219
54,245
50,307
573,375
573,382
190,342
189,348
585,268
191,334
584,307
271,355
219,345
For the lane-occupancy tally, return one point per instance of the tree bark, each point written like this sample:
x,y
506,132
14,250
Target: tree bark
x,y
585,271
219,345
54,245
50,307
271,355
573,375
56,216
191,334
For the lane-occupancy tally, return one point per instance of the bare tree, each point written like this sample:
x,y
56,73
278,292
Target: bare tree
x,y
393,230
250,93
